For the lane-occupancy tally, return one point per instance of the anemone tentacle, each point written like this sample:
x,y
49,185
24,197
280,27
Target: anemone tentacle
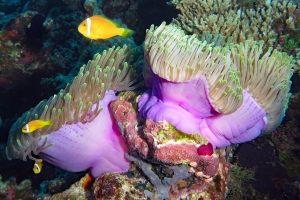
x,y
107,71
196,82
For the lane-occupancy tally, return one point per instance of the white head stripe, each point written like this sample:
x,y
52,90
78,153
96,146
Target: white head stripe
x,y
38,167
89,25
27,128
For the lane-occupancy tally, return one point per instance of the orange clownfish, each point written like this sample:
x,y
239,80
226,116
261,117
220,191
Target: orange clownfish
x,y
98,27
37,167
35,124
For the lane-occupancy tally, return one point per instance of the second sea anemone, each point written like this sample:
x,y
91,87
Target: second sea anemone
x,y
230,94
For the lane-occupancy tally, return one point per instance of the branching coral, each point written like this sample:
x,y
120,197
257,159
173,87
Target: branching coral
x,y
233,92
82,121
231,19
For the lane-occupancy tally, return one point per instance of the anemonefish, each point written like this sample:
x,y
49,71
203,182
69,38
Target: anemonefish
x,y
98,27
88,182
36,124
37,167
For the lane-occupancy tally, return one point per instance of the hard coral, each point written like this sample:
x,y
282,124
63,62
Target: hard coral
x,y
234,19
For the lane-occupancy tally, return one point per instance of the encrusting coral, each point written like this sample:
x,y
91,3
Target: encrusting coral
x,y
234,92
233,20
81,119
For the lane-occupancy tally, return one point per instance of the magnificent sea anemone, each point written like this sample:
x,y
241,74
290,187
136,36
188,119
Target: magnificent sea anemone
x,y
230,94
84,134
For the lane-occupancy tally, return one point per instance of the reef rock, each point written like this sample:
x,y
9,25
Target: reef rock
x,y
179,165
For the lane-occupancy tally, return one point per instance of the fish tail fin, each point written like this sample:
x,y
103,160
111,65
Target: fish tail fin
x,y
125,32
49,122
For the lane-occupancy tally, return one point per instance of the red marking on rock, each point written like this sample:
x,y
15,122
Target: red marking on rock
x,y
205,150
8,35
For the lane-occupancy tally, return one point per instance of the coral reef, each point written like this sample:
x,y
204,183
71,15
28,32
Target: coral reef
x,y
271,179
238,176
235,20
200,90
91,7
50,60
286,138
130,185
8,6
179,173
122,186
11,190
59,52
179,139
276,22
17,56
290,45
162,143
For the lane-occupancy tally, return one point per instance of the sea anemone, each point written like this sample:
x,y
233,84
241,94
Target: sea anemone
x,y
230,94
84,134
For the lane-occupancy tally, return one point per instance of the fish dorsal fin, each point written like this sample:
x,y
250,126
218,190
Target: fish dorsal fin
x,y
111,21
115,23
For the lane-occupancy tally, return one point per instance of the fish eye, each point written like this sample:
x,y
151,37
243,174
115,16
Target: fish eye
x,y
83,24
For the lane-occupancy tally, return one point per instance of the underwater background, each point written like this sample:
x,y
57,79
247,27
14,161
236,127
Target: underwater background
x,y
41,51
